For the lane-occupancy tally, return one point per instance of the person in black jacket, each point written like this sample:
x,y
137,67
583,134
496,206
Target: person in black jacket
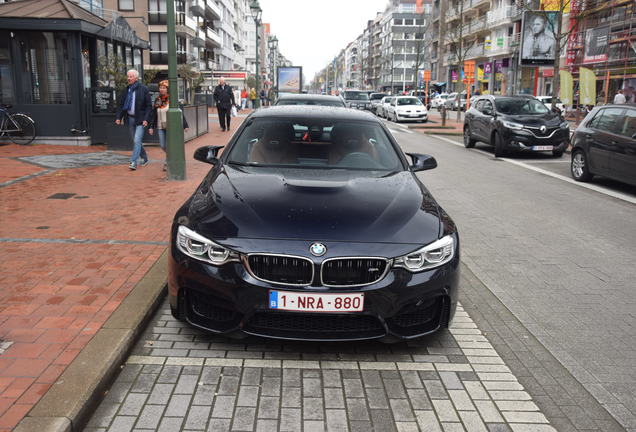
x,y
134,105
224,99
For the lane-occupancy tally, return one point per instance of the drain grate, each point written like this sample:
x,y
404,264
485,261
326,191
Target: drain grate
x,y
61,195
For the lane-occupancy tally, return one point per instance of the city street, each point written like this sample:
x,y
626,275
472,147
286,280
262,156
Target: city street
x,y
544,340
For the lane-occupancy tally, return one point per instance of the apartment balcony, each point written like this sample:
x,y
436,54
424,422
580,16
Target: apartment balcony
x,y
476,26
212,38
212,10
198,8
515,40
185,25
199,39
476,51
499,46
503,16
161,57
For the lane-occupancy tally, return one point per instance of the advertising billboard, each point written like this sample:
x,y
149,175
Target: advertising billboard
x,y
538,44
596,44
290,79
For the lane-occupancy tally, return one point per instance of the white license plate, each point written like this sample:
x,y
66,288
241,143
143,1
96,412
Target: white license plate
x,y
542,148
312,302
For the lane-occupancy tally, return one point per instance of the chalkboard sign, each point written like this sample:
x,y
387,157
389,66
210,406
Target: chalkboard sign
x,y
104,100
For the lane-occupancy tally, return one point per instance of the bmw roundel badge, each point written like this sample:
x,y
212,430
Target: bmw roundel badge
x,y
317,249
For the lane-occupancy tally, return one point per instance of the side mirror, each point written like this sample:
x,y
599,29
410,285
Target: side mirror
x,y
488,111
207,154
422,162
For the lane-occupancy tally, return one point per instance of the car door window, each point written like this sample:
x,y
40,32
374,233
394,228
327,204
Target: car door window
x,y
479,105
607,120
628,127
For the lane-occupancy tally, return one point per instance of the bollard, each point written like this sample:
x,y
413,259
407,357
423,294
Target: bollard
x,y
443,112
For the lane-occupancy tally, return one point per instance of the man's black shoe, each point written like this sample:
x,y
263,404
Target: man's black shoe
x,y
223,129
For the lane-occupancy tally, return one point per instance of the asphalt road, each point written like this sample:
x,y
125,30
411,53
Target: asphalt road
x,y
558,254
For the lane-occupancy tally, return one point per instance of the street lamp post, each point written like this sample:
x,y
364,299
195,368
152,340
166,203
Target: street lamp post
x,y
256,10
273,43
175,148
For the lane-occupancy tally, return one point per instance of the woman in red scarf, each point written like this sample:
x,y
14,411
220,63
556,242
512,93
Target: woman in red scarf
x,y
159,119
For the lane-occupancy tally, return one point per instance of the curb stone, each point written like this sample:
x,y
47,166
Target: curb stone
x,y
68,404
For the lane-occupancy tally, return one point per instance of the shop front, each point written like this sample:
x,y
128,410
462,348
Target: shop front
x,y
57,69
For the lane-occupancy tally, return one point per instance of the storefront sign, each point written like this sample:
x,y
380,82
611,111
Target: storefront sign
x,y
454,76
230,75
596,44
103,100
119,30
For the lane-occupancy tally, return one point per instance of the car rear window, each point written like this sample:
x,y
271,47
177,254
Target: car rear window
x,y
356,95
309,102
315,143
377,96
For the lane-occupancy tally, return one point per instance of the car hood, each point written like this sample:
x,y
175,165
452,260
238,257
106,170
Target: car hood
x,y
548,119
316,205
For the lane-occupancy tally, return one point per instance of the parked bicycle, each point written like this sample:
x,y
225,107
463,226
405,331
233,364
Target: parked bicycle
x,y
19,127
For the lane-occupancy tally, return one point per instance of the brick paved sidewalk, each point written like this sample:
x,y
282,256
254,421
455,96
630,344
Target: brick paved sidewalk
x,y
73,243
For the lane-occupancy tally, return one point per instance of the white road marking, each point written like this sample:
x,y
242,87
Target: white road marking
x,y
593,187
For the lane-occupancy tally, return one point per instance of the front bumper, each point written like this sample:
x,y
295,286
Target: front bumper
x,y
412,117
228,300
525,140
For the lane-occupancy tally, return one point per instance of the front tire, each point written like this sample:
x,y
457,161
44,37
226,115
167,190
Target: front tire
x,y
579,167
469,142
499,145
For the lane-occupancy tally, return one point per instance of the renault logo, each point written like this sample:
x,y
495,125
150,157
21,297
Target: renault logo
x,y
318,249
542,128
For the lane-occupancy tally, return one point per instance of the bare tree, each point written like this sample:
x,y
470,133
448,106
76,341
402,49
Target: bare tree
x,y
422,47
459,47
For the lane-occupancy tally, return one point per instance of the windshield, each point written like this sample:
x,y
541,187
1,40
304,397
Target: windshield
x,y
309,102
316,144
356,95
520,106
408,101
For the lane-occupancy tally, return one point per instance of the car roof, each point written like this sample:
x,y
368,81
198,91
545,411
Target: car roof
x,y
314,111
306,96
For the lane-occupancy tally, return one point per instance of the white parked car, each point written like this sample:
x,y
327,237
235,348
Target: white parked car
x,y
383,105
547,101
407,108
439,100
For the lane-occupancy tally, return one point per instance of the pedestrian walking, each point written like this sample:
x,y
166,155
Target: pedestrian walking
x,y
224,99
159,118
135,109
244,96
263,96
620,97
252,98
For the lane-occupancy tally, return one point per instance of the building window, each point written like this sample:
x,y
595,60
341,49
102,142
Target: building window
x,y
158,48
157,13
45,63
126,5
6,73
408,22
398,21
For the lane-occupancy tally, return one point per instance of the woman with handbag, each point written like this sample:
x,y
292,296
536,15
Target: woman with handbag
x,y
159,119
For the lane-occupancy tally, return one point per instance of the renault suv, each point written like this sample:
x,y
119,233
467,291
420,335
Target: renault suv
x,y
514,124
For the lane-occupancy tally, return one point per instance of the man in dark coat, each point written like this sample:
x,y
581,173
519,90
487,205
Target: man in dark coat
x,y
224,99
135,107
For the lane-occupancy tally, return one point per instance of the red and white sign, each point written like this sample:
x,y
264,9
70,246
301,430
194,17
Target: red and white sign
x,y
229,74
315,302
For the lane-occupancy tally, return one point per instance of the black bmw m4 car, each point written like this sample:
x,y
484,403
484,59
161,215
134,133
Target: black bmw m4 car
x,y
312,225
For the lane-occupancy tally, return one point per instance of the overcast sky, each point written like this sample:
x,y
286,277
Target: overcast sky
x,y
311,33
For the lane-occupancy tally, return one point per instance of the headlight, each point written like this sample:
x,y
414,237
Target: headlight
x,y
512,125
564,125
200,248
429,257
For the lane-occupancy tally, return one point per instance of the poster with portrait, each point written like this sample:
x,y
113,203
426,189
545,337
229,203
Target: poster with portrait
x,y
538,42
596,44
290,79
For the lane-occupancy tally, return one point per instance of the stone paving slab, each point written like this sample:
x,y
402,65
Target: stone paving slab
x,y
453,380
